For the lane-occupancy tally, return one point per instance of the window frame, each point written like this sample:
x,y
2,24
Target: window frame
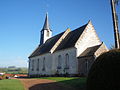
x,y
38,61
59,62
47,33
67,61
43,69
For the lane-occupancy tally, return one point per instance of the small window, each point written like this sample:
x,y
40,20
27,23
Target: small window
x,y
42,32
59,62
38,65
67,61
86,64
43,64
47,33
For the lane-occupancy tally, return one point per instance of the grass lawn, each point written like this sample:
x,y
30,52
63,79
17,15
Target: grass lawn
x,y
76,82
11,84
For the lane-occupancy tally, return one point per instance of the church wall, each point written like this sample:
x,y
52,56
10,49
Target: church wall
x,y
88,38
84,65
39,70
51,65
72,62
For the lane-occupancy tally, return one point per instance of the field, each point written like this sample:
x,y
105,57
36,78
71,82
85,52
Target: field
x,y
11,84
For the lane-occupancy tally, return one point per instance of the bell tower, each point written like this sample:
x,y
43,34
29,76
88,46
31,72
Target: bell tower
x,y
46,33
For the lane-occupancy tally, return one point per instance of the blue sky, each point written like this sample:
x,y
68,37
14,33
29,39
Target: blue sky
x,y
22,20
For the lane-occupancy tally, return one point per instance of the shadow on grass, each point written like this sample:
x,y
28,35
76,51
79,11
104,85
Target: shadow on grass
x,y
73,84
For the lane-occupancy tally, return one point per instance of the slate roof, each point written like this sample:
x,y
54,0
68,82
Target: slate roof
x,y
90,51
47,46
68,42
71,38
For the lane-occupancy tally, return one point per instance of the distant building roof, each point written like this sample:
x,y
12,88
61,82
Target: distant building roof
x,y
68,42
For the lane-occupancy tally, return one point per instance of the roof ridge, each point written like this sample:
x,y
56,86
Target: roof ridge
x,y
60,40
80,27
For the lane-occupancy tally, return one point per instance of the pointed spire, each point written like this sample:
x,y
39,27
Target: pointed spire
x,y
89,21
46,24
46,33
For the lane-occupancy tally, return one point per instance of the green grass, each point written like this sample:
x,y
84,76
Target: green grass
x,y
11,84
76,82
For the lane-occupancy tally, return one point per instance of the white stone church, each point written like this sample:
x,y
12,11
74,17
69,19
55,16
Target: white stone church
x,y
71,52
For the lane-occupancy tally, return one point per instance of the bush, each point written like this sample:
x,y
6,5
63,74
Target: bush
x,y
105,72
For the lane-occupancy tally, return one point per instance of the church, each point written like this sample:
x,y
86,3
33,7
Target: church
x,y
69,53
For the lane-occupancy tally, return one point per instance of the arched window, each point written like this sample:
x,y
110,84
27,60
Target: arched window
x,y
47,33
38,65
59,62
67,61
43,64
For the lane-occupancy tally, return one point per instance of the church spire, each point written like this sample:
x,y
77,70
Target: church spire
x,y
46,33
46,24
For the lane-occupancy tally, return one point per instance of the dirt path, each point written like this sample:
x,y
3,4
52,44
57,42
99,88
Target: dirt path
x,y
43,84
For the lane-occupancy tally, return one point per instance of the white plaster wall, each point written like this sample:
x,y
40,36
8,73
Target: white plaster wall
x,y
88,38
72,61
52,62
48,65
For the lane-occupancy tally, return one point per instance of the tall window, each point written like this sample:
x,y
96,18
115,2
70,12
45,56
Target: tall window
x,y
67,61
59,62
38,65
32,65
86,64
47,33
43,64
